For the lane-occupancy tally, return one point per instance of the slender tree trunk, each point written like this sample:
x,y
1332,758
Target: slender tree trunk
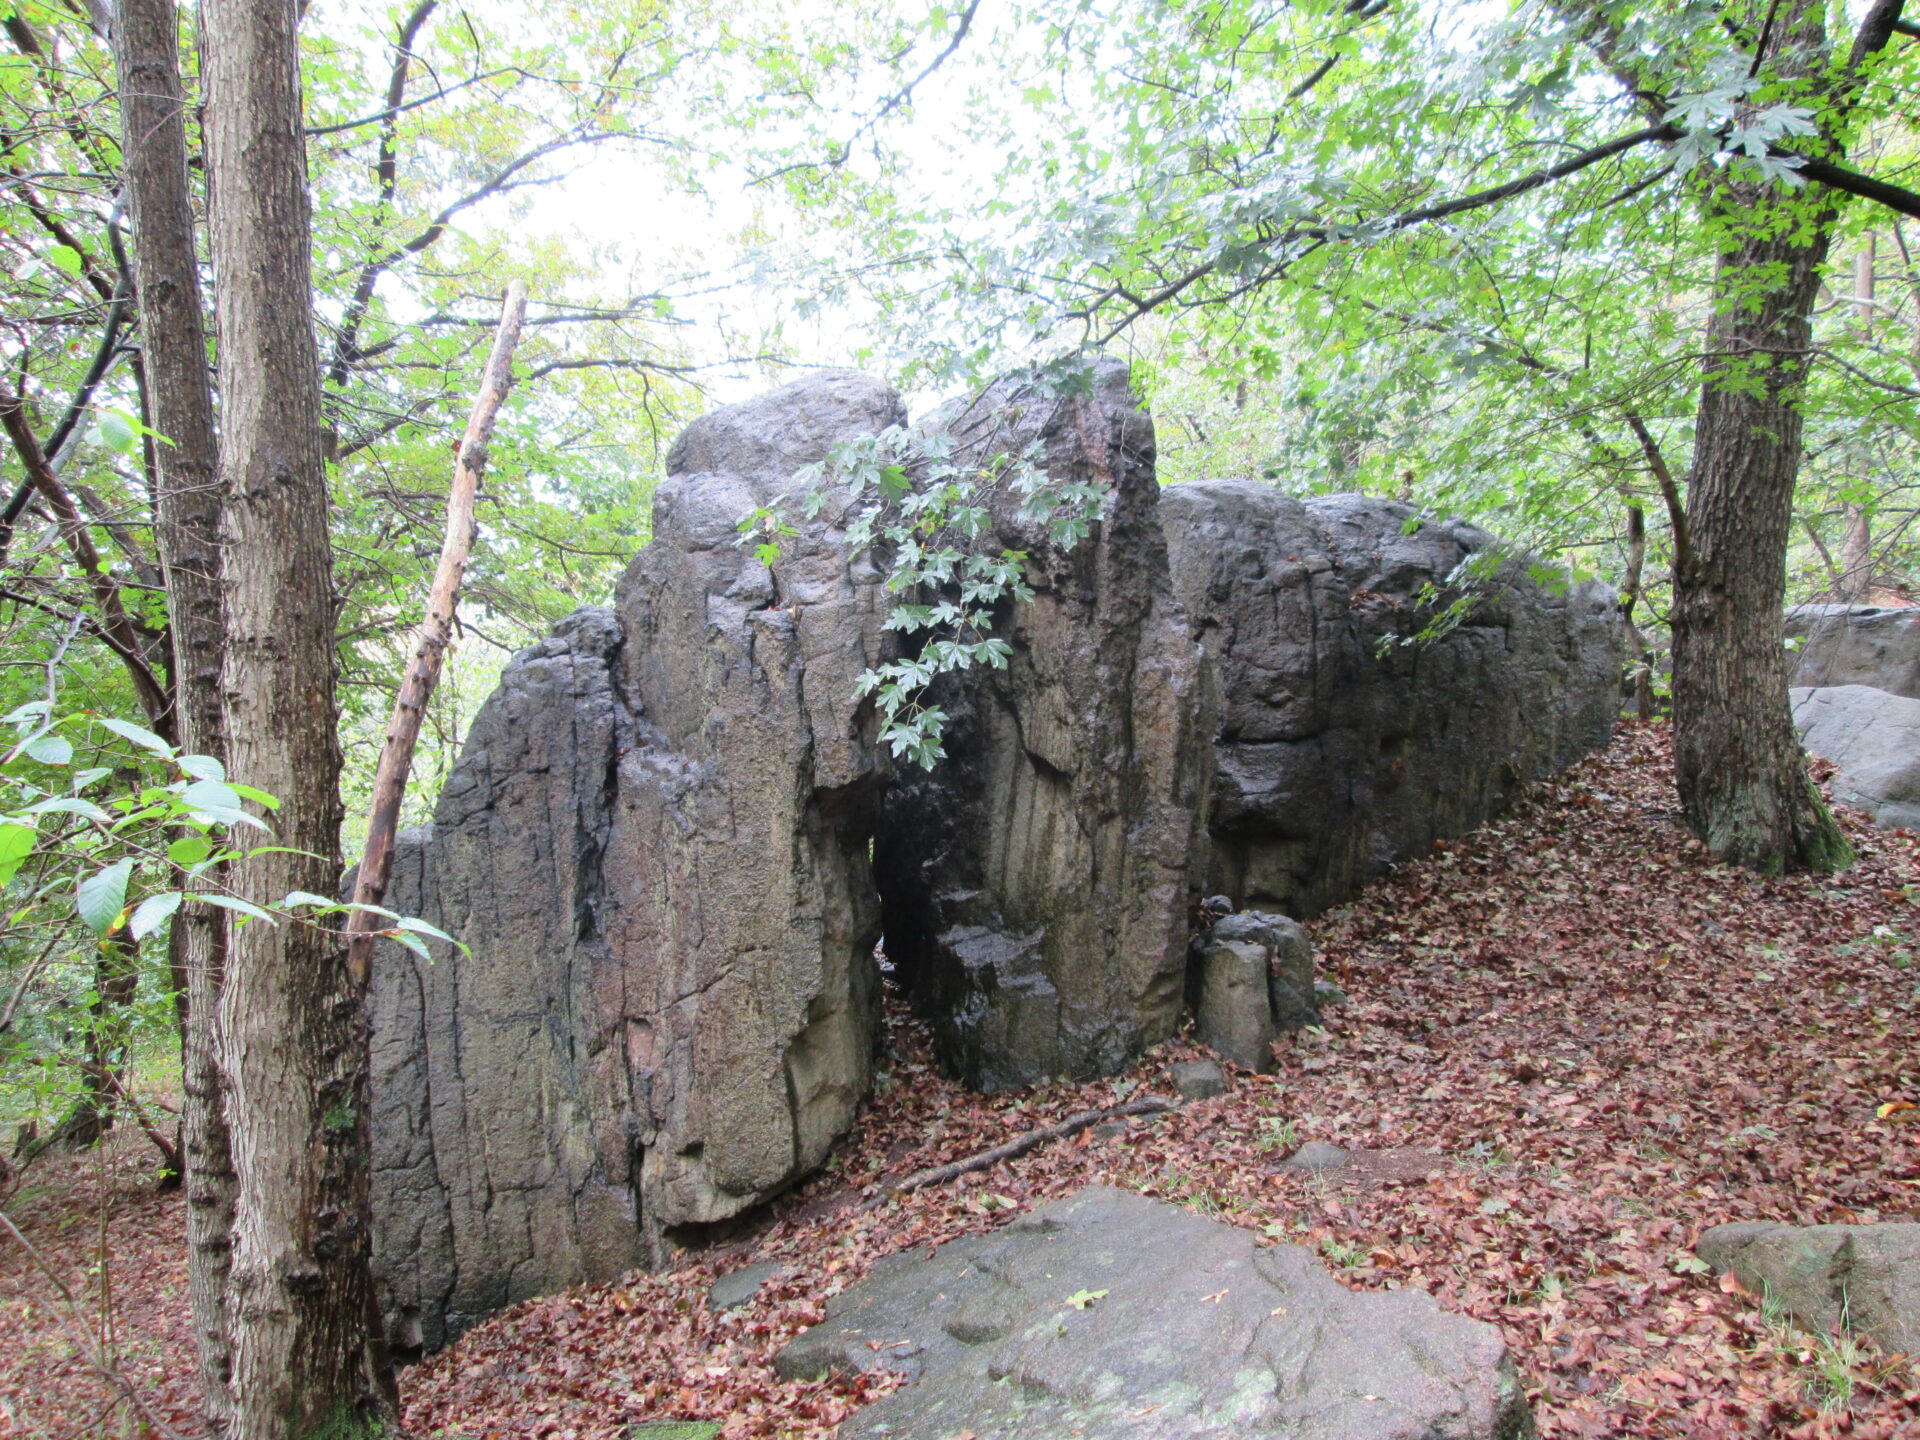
x,y
1630,589
187,512
436,632
1742,776
293,1027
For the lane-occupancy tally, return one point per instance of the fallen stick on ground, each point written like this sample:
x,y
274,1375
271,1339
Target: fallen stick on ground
x,y
1019,1145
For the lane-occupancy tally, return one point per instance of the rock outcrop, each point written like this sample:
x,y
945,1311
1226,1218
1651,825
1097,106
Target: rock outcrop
x,y
672,844
1873,739
1865,1278
655,844
1339,748
1876,645
1114,1315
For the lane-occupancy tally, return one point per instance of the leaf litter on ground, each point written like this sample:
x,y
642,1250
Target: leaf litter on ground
x,y
1571,1044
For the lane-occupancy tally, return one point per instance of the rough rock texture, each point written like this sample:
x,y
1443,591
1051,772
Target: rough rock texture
x,y
489,1184
671,843
1877,645
1036,886
1252,975
1874,739
1334,759
1185,1329
655,843
1862,1277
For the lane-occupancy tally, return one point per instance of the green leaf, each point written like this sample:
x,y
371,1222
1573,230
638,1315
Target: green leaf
x,y
230,902
201,767
189,850
16,844
102,896
116,434
1081,1299
141,737
411,942
259,797
51,750
67,258
307,897
150,912
67,805
421,927
210,795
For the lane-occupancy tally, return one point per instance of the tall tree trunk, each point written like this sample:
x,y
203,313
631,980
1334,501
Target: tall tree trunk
x,y
293,1027
187,511
1742,776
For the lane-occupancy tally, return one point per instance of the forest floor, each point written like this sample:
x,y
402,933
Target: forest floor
x,y
1584,1043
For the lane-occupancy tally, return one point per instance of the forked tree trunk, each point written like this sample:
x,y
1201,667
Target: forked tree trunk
x,y
187,509
1742,776
293,1027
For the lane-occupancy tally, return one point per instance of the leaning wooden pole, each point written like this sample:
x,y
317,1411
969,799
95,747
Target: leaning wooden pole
x,y
423,673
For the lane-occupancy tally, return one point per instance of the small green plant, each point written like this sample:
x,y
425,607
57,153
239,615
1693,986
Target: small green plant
x,y
1276,1135
1347,1257
924,512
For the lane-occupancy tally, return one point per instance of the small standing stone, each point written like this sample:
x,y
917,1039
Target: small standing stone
x,y
1199,1080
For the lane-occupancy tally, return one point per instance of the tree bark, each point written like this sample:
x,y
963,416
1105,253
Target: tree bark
x,y
293,1028
187,512
1742,776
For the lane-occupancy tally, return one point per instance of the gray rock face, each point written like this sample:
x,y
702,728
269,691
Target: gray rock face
x,y
1874,739
656,845
671,843
1036,888
1333,757
1876,645
1111,1315
491,1179
1864,1277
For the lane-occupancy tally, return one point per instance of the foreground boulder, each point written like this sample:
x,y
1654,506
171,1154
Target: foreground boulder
x,y
672,844
1876,645
1112,1315
1873,739
1864,1278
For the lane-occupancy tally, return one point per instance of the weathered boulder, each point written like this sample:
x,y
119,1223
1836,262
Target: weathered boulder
x,y
1829,1277
1252,975
1112,1315
655,844
1876,645
1338,749
1873,737
1035,886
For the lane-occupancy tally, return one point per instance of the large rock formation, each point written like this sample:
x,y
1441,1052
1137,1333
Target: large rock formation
x,y
671,841
1113,1315
1875,645
1035,886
